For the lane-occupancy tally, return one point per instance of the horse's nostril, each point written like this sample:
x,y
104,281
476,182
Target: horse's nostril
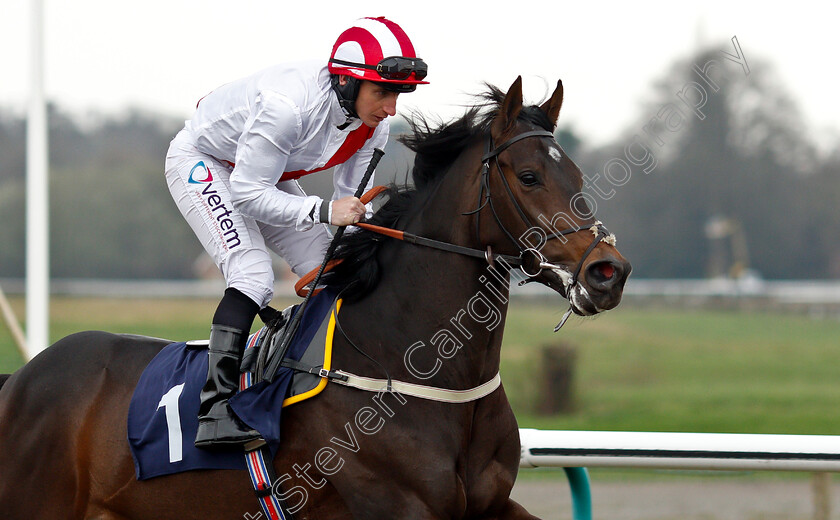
x,y
606,270
603,273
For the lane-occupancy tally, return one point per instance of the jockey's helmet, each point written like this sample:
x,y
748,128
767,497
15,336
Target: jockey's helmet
x,y
378,50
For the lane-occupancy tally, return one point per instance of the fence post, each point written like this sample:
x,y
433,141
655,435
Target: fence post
x,y
820,484
557,394
581,494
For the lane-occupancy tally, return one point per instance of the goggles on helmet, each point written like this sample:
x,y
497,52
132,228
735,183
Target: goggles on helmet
x,y
394,68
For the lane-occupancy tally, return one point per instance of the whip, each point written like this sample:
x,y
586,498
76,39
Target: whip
x,y
277,358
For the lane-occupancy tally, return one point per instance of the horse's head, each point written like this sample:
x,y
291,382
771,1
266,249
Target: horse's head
x,y
532,191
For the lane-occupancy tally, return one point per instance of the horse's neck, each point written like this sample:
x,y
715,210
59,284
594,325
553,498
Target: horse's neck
x,y
462,307
447,309
444,214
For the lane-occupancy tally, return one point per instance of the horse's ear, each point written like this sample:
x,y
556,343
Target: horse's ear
x,y
509,110
552,106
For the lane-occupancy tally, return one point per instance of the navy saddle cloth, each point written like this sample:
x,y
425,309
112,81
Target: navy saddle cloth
x,y
163,414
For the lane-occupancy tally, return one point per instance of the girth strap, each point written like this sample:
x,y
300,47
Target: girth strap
x,y
422,391
315,371
263,478
258,457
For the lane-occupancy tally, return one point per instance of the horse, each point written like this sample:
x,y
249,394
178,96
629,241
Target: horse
x,y
491,187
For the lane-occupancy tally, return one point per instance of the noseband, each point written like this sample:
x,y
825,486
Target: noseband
x,y
601,234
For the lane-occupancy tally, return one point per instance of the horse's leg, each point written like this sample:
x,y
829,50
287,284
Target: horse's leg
x,y
112,491
62,428
104,515
494,459
391,473
37,463
512,511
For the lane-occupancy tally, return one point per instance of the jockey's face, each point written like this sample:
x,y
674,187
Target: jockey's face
x,y
375,103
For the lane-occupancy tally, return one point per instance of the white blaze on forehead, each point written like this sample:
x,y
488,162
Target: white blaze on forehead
x,y
555,154
389,43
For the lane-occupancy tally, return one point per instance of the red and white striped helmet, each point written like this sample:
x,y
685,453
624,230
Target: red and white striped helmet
x,y
377,49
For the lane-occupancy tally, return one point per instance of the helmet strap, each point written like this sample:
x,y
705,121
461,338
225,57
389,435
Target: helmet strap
x,y
347,93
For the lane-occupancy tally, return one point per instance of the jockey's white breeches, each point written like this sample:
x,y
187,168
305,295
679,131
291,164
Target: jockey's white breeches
x,y
238,244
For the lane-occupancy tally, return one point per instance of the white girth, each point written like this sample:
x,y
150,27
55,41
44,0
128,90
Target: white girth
x,y
424,392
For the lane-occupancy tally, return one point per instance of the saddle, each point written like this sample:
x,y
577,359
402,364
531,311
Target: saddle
x,y
267,344
162,418
304,370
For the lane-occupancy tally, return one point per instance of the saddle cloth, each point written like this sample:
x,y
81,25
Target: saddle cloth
x,y
163,414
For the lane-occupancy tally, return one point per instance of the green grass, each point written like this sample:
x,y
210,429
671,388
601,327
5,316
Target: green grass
x,y
636,369
677,370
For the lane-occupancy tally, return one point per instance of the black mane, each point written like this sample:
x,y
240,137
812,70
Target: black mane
x,y
436,148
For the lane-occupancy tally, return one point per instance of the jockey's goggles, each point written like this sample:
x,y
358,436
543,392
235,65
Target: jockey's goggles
x,y
394,68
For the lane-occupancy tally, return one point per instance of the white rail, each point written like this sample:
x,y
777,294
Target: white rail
x,y
708,451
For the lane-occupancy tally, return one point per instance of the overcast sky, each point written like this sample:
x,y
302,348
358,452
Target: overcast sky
x,y
164,55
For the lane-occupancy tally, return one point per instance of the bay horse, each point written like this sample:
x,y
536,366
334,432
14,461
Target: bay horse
x,y
493,181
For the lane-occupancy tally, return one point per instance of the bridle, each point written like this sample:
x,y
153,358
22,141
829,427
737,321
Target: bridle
x,y
529,257
601,234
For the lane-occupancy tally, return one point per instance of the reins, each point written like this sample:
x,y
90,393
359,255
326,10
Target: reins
x,y
274,363
539,263
437,244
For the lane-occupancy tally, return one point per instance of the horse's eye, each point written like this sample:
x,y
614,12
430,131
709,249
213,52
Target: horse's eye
x,y
528,179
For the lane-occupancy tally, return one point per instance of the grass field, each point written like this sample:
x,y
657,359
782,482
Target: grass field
x,y
637,369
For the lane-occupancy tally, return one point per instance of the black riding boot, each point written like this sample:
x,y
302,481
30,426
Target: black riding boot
x,y
218,426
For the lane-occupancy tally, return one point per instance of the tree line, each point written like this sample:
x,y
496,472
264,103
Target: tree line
x,y
742,189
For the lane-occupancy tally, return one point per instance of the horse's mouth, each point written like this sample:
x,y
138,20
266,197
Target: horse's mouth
x,y
560,279
580,301
590,290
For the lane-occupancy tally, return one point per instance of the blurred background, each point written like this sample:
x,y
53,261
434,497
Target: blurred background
x,y
752,188
725,201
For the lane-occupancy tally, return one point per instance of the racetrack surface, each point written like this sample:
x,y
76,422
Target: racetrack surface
x,y
689,499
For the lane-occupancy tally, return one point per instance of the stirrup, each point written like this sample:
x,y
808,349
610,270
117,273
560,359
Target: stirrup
x,y
255,444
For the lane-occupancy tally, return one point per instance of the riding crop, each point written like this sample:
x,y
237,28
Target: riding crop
x,y
274,363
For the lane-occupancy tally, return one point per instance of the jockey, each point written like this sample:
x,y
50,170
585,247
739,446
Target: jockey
x,y
232,172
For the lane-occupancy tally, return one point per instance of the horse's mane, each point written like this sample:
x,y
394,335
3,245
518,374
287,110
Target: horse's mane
x,y
436,146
